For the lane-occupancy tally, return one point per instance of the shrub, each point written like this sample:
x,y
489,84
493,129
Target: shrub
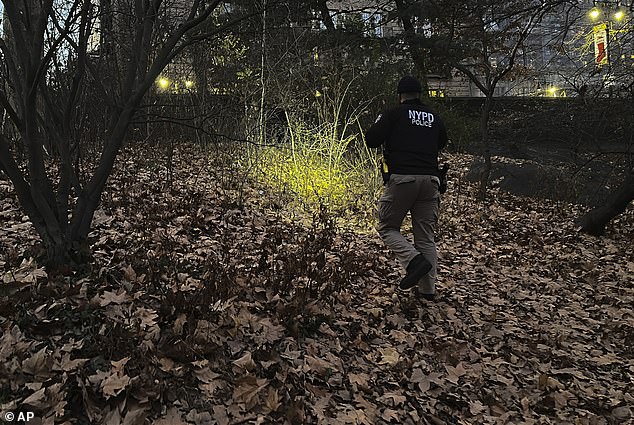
x,y
321,165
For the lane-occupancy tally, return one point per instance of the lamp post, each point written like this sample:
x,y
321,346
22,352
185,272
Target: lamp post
x,y
606,13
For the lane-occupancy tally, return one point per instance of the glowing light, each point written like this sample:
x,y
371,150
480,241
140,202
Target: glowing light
x,y
317,93
619,15
553,91
595,13
189,84
163,83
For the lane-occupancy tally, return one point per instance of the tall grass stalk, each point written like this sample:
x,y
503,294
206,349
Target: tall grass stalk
x,y
326,164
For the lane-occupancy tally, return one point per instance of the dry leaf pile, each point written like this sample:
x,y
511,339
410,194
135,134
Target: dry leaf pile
x,y
199,312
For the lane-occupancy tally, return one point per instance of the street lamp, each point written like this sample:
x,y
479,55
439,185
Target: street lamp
x,y
604,7
163,83
605,13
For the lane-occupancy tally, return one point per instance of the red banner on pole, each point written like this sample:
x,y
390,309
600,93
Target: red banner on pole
x,y
601,44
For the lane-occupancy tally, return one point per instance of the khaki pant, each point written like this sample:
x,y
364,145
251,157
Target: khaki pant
x,y
417,194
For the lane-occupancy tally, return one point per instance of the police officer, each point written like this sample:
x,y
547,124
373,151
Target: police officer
x,y
412,136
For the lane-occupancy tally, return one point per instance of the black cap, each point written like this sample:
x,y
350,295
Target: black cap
x,y
409,84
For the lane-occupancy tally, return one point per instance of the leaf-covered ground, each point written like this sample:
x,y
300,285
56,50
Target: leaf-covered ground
x,y
197,311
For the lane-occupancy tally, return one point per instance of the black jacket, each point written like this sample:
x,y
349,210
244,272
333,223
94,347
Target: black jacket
x,y
412,135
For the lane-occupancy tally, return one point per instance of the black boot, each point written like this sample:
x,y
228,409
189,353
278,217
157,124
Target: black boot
x,y
417,268
428,297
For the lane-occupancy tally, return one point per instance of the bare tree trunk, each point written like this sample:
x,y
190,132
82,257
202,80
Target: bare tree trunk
x,y
322,6
594,221
417,54
262,117
484,131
